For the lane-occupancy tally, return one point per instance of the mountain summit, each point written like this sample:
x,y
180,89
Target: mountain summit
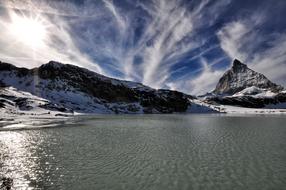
x,y
240,77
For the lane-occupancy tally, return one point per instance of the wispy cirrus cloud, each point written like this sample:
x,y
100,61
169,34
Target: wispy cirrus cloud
x,y
168,34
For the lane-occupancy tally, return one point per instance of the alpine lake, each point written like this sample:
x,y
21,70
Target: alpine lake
x,y
128,152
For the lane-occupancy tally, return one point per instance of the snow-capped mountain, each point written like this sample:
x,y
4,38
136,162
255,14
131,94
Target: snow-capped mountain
x,y
241,86
240,77
84,91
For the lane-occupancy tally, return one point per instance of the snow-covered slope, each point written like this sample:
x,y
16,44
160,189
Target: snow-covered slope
x,y
234,109
15,102
256,92
261,100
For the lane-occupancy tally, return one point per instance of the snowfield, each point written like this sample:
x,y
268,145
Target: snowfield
x,y
255,92
241,110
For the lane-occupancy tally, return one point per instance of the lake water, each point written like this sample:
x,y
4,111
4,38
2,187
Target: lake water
x,y
148,152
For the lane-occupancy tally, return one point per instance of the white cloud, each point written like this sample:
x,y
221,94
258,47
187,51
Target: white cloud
x,y
231,37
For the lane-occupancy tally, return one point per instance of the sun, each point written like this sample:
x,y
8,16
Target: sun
x,y
28,30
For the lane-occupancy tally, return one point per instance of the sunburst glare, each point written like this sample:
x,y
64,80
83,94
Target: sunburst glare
x,y
28,30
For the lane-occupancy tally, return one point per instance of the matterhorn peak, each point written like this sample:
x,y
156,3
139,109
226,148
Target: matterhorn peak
x,y
240,77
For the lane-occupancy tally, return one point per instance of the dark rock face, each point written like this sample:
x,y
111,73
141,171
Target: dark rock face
x,y
240,77
87,82
6,66
56,78
165,101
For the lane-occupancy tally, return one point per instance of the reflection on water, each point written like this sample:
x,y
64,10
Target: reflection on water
x,y
17,160
147,152
24,160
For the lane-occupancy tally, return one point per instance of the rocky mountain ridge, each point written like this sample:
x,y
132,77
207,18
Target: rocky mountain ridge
x,y
84,91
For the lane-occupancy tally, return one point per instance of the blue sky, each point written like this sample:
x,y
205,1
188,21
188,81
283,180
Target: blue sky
x,y
175,44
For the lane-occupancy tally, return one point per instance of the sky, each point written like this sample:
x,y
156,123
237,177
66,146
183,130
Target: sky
x,y
183,45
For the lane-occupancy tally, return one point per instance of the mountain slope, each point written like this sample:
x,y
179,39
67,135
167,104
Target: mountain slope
x,y
85,91
240,77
